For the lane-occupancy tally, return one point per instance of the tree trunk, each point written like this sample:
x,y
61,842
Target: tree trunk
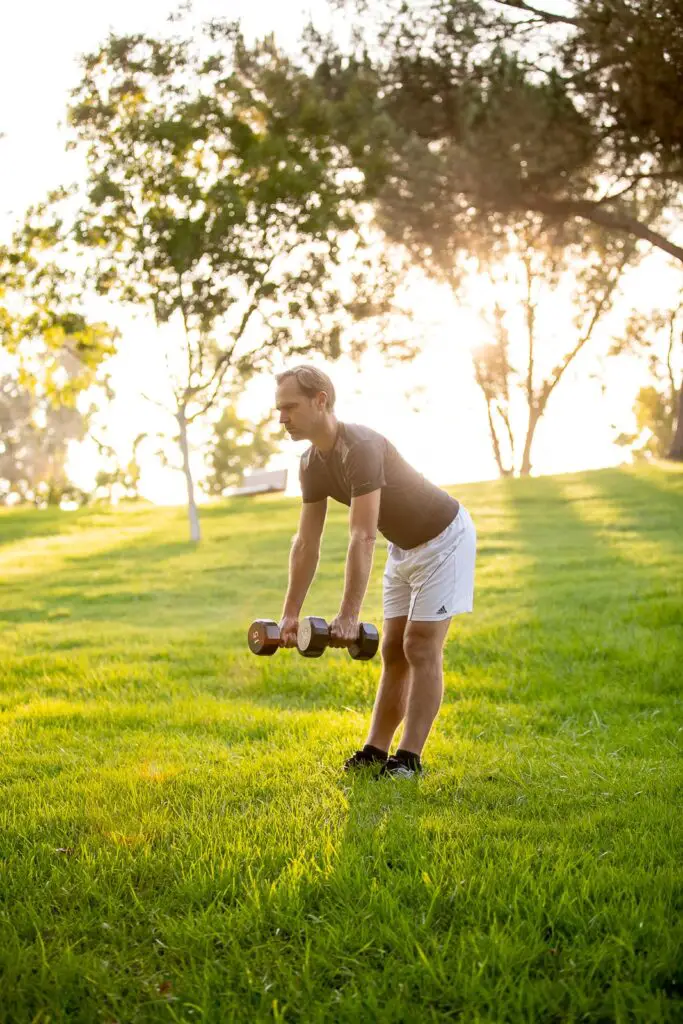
x,y
534,417
676,450
496,443
195,532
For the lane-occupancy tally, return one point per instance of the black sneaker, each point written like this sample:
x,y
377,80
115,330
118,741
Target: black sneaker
x,y
364,759
394,768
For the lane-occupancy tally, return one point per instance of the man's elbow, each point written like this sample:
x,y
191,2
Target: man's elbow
x,y
363,536
306,545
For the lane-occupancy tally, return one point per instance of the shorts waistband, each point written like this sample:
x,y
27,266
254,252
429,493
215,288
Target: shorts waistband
x,y
426,543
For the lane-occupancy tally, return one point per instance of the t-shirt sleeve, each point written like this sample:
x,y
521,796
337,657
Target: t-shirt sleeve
x,y
312,486
365,468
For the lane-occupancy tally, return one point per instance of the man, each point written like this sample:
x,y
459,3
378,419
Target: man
x,y
429,575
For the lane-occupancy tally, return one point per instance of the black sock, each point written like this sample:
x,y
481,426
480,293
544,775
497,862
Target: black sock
x,y
374,751
408,757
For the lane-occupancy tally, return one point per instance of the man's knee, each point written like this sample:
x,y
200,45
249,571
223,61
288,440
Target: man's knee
x,y
392,650
392,641
420,649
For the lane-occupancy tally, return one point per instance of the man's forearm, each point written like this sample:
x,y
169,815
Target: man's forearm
x,y
303,561
358,566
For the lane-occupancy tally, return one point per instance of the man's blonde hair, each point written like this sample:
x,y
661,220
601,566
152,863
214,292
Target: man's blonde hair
x,y
311,381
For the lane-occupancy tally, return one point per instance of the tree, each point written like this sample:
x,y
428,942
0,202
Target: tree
x,y
237,445
216,200
676,450
656,407
537,279
34,444
57,352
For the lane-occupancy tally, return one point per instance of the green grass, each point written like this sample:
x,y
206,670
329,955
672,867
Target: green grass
x,y
177,842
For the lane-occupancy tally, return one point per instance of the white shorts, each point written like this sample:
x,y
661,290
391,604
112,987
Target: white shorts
x,y
434,580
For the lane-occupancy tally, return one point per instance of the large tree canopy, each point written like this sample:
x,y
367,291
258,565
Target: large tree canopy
x,y
465,114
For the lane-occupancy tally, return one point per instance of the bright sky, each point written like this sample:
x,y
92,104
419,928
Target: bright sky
x,y
441,429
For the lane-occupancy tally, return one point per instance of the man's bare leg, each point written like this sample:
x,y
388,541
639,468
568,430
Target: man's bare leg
x,y
392,693
423,647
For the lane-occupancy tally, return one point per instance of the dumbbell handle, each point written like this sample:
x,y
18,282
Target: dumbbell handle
x,y
361,648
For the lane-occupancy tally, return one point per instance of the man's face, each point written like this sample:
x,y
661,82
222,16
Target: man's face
x,y
298,413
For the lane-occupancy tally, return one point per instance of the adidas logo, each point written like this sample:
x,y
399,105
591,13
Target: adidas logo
x,y
442,610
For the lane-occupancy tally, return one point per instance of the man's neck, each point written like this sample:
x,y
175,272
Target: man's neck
x,y
325,438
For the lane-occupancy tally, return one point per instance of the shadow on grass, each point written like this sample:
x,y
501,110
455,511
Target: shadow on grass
x,y
567,551
18,525
152,583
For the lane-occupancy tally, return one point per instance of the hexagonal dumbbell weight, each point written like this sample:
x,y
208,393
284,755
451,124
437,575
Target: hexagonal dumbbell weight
x,y
264,637
314,636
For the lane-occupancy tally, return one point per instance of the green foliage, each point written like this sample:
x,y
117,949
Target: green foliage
x,y
626,59
236,446
655,412
56,357
657,335
178,841
57,351
35,435
655,415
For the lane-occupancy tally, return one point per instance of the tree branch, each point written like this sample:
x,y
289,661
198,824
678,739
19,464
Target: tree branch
x,y
217,377
494,438
217,382
505,416
495,441
222,364
530,317
550,385
225,359
183,311
598,214
159,405
633,180
669,364
545,16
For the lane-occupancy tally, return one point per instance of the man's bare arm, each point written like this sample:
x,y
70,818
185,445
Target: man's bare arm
x,y
363,533
303,562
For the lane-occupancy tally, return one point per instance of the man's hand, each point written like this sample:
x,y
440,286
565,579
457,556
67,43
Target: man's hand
x,y
343,630
289,627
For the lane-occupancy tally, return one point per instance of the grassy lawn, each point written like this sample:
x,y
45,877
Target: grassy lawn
x,y
177,842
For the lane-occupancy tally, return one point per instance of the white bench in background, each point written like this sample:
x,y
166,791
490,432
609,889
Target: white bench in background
x,y
263,481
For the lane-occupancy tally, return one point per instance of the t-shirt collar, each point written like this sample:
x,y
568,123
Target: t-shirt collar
x,y
326,456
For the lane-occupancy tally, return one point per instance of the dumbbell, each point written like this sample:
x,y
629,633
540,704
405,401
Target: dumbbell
x,y
312,639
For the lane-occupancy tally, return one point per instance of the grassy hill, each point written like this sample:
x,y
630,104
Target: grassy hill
x,y
177,842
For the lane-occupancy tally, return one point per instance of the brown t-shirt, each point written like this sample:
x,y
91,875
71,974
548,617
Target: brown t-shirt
x,y
412,510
